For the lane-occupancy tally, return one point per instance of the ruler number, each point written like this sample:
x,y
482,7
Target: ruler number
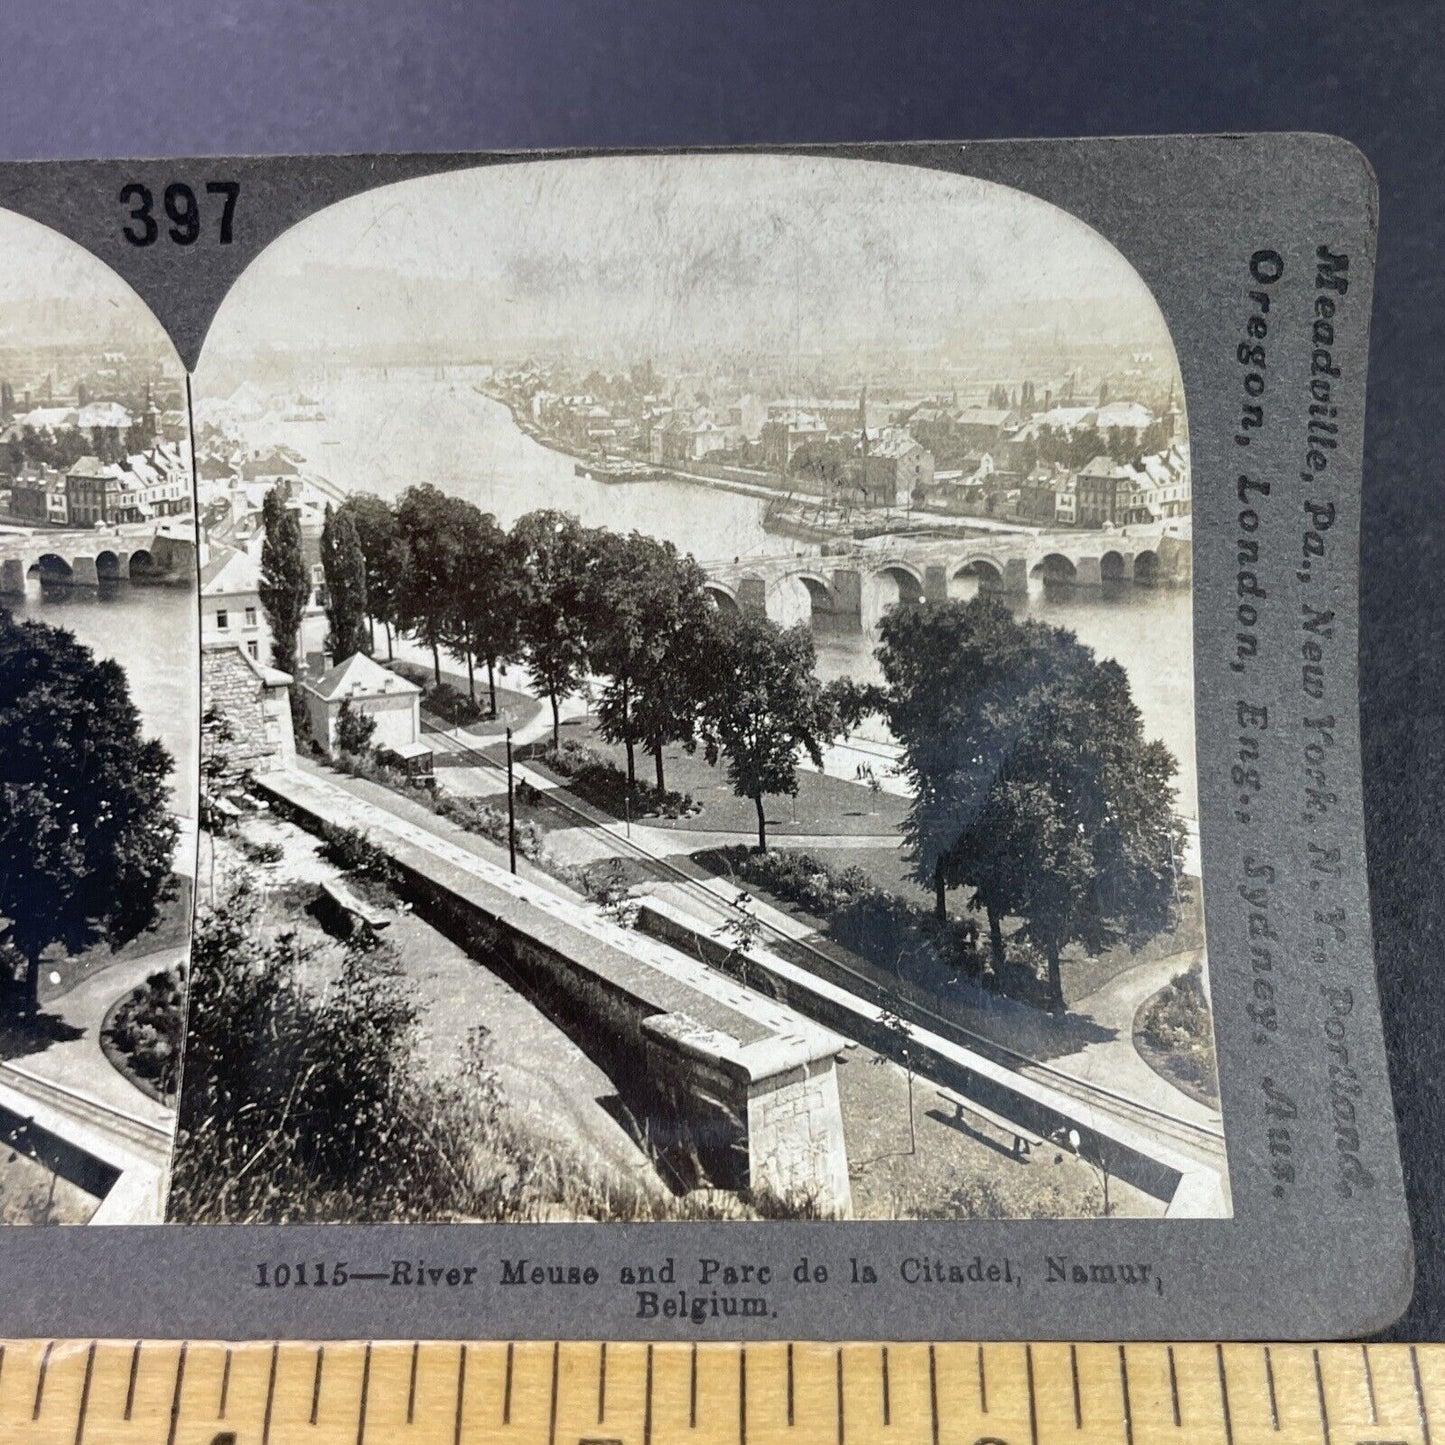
x,y
180,207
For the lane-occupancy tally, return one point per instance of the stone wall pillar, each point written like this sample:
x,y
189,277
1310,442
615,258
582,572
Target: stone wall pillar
x,y
795,1138
12,577
1016,577
1088,572
83,572
848,597
753,596
935,584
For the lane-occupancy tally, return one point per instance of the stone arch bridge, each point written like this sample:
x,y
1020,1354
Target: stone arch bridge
x,y
87,559
852,590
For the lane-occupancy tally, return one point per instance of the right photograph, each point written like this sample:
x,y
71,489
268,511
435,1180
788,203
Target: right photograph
x,y
697,711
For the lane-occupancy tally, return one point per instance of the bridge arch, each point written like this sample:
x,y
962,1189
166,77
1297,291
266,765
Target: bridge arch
x,y
1113,567
1054,570
52,569
723,598
893,584
111,566
1146,568
804,596
975,575
144,565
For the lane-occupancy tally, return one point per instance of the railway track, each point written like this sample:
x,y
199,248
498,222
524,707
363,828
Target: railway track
x,y
1207,1140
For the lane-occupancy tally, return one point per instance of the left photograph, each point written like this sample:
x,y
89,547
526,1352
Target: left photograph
x,y
99,729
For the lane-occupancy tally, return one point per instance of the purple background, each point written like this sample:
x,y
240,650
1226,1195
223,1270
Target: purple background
x,y
134,77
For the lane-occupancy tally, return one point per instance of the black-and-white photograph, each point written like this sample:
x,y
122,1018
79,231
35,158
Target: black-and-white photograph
x,y
99,702
697,707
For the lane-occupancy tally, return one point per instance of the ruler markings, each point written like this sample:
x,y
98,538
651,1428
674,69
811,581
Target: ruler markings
x,y
790,1381
602,1384
556,1371
1370,1384
135,1370
1173,1385
1420,1396
462,1389
1224,1395
743,1395
270,1396
1320,1394
225,1385
838,1369
887,1403
85,1394
507,1387
176,1396
316,1382
692,1388
1124,1391
1033,1403
933,1387
365,1386
647,1401
45,1366
1078,1402
411,1385
1269,1381
982,1383
2,1364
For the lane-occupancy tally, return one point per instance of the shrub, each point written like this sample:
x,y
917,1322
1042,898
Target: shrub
x,y
452,705
142,1035
351,850
354,728
263,852
1175,1023
603,784
489,822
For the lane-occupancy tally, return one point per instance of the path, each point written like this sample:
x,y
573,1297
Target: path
x,y
79,1065
1115,1063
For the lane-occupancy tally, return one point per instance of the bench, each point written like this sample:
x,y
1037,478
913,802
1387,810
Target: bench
x,y
346,905
1024,1141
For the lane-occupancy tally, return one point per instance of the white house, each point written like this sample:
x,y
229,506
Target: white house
x,y
231,603
392,702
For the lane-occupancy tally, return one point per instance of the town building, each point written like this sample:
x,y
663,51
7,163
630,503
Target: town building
x,y
1109,494
786,431
254,703
231,610
393,703
151,484
894,470
39,495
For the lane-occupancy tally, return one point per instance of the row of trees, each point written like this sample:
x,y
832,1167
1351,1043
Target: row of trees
x,y
1033,786
569,603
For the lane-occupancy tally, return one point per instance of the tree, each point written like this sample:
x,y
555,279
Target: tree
x,y
489,598
86,835
354,729
345,567
427,519
552,555
766,706
1033,782
645,613
384,552
285,582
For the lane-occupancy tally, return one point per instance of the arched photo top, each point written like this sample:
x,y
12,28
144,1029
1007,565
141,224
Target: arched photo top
x,y
790,259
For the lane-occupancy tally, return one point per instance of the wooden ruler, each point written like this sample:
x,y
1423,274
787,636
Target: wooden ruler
x,y
541,1393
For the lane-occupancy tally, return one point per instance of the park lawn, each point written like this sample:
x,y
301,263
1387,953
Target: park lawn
x,y
954,1173
825,805
514,709
61,971
890,870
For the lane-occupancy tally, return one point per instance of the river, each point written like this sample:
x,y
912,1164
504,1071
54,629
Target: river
x,y
152,631
384,432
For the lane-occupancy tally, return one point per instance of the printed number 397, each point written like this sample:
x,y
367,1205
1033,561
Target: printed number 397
x,y
181,209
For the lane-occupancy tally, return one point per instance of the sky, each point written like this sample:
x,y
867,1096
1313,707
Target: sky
x,y
647,256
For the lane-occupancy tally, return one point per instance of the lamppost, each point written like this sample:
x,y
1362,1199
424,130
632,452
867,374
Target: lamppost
x,y
511,809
